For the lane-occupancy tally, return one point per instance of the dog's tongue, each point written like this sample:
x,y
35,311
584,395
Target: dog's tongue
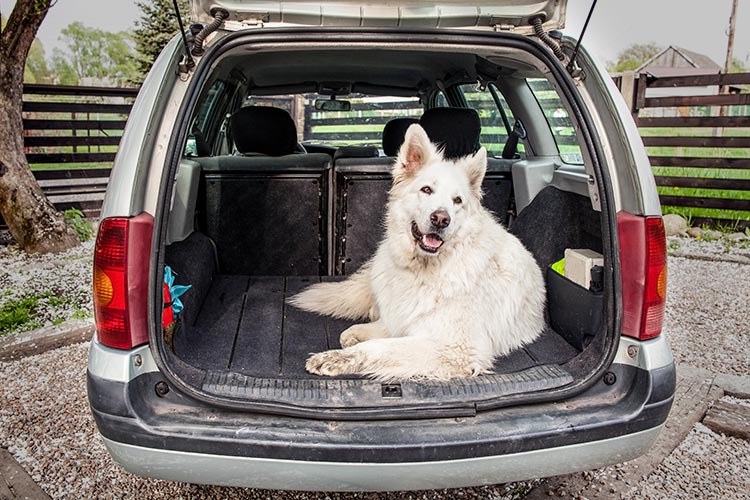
x,y
431,240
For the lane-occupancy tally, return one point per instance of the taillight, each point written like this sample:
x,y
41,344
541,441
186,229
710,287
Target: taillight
x,y
643,265
121,265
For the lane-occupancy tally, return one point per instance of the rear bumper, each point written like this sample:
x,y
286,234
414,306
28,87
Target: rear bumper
x,y
176,438
304,475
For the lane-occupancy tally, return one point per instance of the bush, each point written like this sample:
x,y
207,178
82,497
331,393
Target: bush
x,y
84,228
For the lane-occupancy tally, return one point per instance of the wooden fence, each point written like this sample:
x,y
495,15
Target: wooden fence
x,y
71,135
697,132
64,124
699,145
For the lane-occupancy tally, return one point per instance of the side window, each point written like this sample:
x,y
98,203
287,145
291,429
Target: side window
x,y
558,120
208,118
496,121
440,100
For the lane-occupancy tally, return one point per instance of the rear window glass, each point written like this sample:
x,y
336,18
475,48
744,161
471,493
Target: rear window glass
x,y
361,126
558,119
494,131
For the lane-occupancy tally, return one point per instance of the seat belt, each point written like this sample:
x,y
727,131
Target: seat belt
x,y
510,151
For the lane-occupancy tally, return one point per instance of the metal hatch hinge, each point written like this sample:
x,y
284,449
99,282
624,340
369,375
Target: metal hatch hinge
x,y
596,203
253,22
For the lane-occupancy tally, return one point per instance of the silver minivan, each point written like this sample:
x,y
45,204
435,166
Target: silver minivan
x,y
256,160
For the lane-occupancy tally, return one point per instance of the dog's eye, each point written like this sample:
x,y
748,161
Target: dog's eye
x,y
426,190
457,200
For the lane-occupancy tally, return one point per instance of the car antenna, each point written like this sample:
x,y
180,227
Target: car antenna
x,y
572,63
189,61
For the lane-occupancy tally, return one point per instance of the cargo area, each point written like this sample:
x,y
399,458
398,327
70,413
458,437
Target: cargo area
x,y
259,213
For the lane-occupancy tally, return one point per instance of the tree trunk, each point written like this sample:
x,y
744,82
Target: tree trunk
x,y
33,221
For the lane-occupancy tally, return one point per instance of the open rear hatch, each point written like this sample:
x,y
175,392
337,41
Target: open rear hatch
x,y
238,344
515,15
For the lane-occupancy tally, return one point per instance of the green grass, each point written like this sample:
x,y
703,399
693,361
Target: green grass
x,y
16,313
699,152
75,219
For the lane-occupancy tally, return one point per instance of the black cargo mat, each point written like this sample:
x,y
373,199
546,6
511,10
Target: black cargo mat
x,y
254,346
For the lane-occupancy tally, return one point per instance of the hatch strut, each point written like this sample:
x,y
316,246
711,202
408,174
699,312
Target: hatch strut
x,y
189,61
572,63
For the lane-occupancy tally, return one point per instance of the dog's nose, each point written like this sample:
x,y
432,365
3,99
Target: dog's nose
x,y
440,219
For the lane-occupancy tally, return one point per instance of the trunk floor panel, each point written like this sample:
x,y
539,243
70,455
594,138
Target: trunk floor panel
x,y
254,346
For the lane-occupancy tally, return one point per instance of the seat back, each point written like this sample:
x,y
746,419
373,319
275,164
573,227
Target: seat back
x,y
362,184
267,209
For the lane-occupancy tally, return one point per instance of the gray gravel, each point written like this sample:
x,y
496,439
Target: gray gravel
x,y
706,317
60,284
706,466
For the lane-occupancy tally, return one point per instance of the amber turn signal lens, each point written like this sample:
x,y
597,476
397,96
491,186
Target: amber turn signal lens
x,y
103,290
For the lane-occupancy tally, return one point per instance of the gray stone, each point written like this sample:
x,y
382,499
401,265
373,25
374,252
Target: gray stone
x,y
729,419
675,225
734,385
712,234
695,232
736,236
15,482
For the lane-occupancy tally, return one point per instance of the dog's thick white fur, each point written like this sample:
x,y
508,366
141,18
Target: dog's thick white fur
x,y
443,300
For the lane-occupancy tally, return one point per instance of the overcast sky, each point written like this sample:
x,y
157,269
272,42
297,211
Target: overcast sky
x,y
616,24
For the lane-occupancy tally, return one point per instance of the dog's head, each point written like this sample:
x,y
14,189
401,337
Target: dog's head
x,y
432,198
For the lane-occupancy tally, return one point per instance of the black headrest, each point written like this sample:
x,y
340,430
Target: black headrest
x,y
393,134
265,130
456,130
356,152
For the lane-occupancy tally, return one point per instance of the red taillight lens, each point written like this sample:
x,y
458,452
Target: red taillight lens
x,y
121,264
643,265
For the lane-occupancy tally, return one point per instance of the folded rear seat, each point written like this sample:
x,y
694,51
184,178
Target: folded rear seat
x,y
362,184
266,208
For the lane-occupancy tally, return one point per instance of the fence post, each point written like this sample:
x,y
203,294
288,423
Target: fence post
x,y
307,134
627,89
639,101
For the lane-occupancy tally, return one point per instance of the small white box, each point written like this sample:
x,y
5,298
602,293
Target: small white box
x,y
578,264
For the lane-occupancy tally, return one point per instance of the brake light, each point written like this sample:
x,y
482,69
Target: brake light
x,y
121,265
643,263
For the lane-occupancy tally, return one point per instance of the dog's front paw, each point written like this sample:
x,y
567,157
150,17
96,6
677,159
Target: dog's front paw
x,y
330,363
352,336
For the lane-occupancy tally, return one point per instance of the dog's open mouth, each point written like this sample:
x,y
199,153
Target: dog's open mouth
x,y
428,242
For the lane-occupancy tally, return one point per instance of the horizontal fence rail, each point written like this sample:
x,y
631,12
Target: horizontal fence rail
x,y
73,125
697,133
697,137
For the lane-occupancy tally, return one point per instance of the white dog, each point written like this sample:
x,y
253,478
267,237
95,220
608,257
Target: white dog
x,y
448,290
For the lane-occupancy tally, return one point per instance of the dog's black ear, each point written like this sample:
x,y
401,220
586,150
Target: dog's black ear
x,y
415,152
476,166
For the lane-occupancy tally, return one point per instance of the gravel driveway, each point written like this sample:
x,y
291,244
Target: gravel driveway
x,y
45,422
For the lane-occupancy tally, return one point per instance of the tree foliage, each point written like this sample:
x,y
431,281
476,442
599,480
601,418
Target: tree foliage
x,y
634,56
740,66
156,27
94,56
37,70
